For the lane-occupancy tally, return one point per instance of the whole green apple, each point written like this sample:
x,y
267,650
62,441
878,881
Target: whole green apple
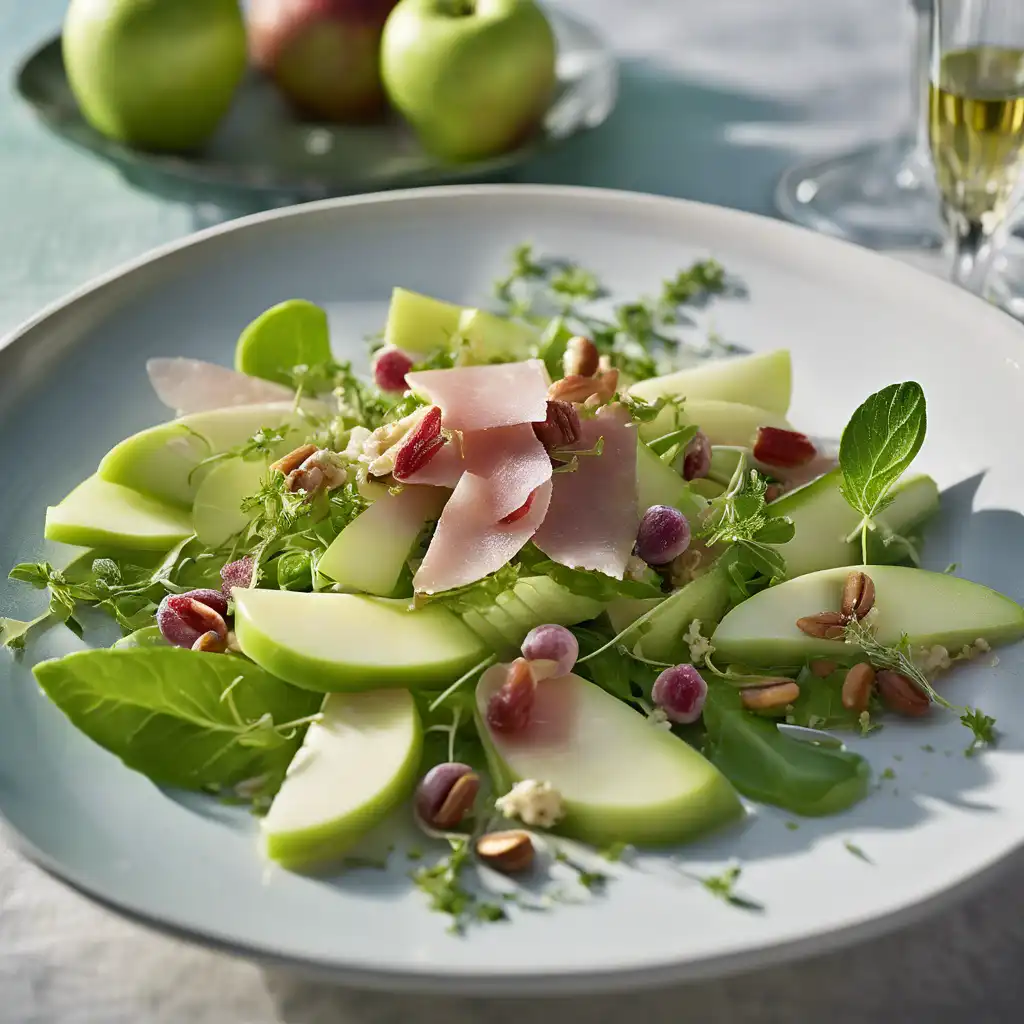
x,y
473,77
157,74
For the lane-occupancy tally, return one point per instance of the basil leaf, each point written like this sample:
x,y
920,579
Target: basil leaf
x,y
879,443
181,717
764,764
820,704
13,633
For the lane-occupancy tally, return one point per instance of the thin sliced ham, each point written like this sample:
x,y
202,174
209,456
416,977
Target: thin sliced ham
x,y
483,397
191,385
514,462
468,546
592,519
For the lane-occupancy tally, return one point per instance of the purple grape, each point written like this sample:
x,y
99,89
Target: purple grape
x,y
680,692
184,618
697,457
664,534
551,651
445,795
236,574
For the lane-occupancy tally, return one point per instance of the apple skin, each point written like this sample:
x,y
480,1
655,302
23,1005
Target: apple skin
x,y
156,74
474,84
324,55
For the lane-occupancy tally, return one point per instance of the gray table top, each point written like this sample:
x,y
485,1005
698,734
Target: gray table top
x,y
717,98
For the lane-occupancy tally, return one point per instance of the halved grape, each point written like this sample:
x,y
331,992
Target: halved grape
x,y
551,651
664,534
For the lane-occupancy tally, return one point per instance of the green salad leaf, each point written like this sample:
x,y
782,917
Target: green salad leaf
x,y
14,632
881,440
475,596
180,717
586,582
766,765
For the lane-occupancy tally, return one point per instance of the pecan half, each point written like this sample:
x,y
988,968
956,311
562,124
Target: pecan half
x,y
770,698
561,425
509,852
211,642
578,388
902,695
823,626
858,595
293,459
581,357
857,687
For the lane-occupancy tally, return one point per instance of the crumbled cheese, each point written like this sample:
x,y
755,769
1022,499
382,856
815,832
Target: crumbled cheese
x,y
982,645
533,802
357,439
700,646
330,466
381,447
932,660
636,568
658,718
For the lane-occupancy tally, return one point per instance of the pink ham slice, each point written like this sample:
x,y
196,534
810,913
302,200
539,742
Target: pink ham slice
x,y
191,385
592,519
503,467
482,397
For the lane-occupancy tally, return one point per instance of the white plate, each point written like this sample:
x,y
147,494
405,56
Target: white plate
x,y
72,383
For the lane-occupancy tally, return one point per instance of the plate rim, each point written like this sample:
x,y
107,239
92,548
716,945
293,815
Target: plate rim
x,y
16,343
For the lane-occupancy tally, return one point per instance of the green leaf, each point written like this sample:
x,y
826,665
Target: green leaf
x,y
291,333
879,443
766,765
478,595
13,633
820,704
180,717
585,582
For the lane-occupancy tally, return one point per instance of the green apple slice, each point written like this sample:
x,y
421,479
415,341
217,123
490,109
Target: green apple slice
x,y
763,380
487,338
370,553
659,484
622,778
217,510
725,423
98,512
287,335
163,460
931,608
419,324
354,767
330,642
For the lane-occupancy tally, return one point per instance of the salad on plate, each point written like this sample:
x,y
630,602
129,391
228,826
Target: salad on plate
x,y
547,584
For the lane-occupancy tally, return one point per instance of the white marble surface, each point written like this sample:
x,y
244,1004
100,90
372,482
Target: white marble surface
x,y
718,97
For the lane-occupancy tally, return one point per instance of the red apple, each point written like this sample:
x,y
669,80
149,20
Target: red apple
x,y
323,54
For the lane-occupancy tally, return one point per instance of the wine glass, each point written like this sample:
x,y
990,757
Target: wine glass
x,y
882,195
976,125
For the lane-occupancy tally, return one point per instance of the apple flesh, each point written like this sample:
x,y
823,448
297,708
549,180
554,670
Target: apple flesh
x,y
621,778
725,423
931,608
158,74
324,55
217,510
474,78
354,767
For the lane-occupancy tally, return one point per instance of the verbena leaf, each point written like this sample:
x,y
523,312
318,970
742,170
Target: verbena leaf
x,y
163,711
879,443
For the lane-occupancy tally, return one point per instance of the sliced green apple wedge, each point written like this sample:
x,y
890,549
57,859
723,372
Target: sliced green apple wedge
x,y
418,323
622,778
931,608
98,512
370,553
725,423
354,766
332,642
763,380
487,337
659,484
163,460
217,510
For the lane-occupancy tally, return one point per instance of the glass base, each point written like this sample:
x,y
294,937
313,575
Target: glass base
x,y
882,196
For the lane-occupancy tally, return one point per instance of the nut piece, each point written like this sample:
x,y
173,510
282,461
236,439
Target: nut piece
x,y
581,357
901,695
509,852
308,480
823,626
578,388
787,448
293,459
858,595
211,643
770,698
822,667
857,687
561,426
458,803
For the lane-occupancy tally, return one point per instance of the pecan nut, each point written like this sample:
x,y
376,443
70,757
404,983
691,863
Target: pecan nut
x,y
902,695
577,388
857,687
581,357
509,852
823,626
459,801
211,642
770,698
295,458
858,595
561,425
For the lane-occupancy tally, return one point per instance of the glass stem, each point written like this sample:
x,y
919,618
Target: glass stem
x,y
924,15
972,253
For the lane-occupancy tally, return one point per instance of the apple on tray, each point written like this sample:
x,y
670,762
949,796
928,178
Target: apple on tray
x,y
473,78
324,55
157,74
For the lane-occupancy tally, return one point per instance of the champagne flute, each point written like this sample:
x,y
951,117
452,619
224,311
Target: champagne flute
x,y
883,194
976,125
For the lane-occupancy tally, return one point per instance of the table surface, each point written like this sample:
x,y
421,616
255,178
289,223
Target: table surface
x,y
716,100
